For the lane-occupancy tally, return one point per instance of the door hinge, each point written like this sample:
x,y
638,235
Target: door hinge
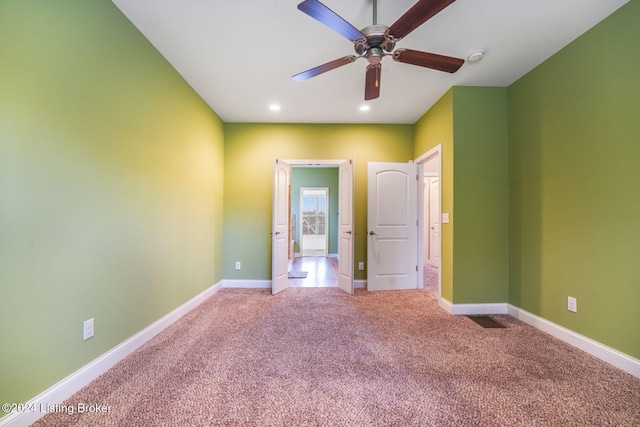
x,y
416,268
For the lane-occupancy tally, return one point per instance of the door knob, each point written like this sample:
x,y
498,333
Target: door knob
x,y
372,233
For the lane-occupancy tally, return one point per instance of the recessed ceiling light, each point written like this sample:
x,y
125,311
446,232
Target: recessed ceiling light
x,y
364,108
274,107
476,56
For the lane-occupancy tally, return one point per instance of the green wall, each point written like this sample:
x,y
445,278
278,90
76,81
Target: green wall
x,y
436,127
316,177
471,124
575,184
111,172
248,185
481,195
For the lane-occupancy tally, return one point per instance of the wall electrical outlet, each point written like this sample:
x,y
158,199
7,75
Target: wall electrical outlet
x,y
238,265
87,329
361,266
572,304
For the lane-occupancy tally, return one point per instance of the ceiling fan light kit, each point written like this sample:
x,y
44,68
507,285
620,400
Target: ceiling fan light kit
x,y
377,41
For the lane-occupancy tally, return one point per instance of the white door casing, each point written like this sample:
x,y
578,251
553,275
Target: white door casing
x,y
431,162
434,222
392,252
425,220
345,228
280,229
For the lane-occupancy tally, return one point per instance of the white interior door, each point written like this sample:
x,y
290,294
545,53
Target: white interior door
x,y
345,232
434,222
280,229
392,249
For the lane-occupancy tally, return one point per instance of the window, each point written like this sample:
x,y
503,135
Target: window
x,y
314,212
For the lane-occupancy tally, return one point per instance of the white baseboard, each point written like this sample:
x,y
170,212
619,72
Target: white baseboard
x,y
471,309
249,284
607,354
445,305
360,284
70,385
612,356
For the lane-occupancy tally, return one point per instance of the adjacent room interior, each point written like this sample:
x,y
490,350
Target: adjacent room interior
x,y
314,227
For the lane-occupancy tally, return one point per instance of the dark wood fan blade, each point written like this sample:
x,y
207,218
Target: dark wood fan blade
x,y
305,75
416,16
326,16
372,82
428,60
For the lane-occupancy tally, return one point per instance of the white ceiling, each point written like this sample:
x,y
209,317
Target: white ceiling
x,y
240,55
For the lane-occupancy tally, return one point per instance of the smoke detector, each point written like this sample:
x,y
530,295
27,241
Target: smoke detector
x,y
476,56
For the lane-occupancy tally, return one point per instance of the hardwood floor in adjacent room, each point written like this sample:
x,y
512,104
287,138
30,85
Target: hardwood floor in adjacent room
x,y
322,272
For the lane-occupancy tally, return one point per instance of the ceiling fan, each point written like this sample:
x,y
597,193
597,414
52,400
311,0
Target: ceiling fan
x,y
377,41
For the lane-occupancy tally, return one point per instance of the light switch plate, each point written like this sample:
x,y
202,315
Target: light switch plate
x,y
445,218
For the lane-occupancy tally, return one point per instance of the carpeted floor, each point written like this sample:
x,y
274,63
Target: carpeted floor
x,y
318,357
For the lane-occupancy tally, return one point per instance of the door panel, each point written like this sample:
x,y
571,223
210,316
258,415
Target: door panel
x,y
392,251
392,187
346,231
391,264
280,229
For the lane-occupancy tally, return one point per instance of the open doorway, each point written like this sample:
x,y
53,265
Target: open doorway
x,y
315,218
314,226
430,231
314,272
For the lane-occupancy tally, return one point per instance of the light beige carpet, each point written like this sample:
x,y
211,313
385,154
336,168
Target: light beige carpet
x,y
318,357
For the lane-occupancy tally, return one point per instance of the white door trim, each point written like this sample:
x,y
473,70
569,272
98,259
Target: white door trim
x,y
315,163
434,153
431,216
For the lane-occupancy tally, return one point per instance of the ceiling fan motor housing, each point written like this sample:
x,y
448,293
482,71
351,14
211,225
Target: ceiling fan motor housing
x,y
375,44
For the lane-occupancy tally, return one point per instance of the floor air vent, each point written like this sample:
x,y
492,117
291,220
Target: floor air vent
x,y
486,322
